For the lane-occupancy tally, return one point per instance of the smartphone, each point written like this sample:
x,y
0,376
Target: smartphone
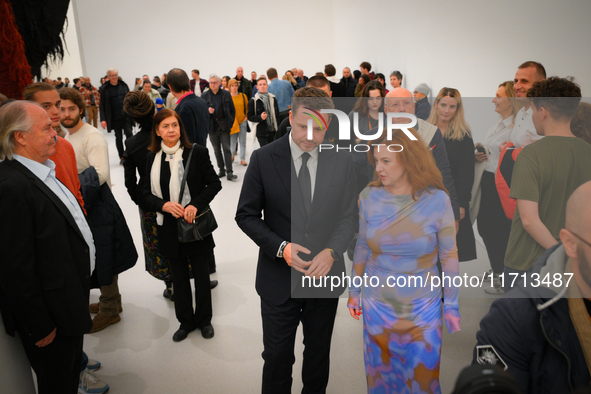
x,y
480,149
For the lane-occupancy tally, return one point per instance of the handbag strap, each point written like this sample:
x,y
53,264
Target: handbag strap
x,y
184,181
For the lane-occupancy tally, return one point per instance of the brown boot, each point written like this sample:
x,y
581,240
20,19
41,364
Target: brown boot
x,y
100,322
94,308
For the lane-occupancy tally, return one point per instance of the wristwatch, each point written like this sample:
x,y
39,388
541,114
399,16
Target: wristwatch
x,y
334,255
281,249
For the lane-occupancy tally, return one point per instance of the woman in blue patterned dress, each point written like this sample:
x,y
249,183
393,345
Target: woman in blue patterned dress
x,y
405,223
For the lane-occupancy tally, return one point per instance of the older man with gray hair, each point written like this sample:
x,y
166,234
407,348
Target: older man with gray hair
x,y
111,110
44,279
221,118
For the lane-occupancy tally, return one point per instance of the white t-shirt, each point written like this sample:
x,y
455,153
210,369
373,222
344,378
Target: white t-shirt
x,y
91,149
496,135
524,131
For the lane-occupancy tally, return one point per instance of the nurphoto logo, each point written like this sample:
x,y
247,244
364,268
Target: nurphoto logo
x,y
345,127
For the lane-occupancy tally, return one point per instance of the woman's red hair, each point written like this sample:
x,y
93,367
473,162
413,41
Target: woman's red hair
x,y
415,157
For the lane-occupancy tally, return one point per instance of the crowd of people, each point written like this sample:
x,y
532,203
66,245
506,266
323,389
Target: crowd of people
x,y
400,215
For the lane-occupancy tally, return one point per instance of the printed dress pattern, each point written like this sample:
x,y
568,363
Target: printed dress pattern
x,y
399,243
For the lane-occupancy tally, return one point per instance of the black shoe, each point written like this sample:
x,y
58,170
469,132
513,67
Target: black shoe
x,y
207,331
180,335
221,174
231,176
213,284
168,294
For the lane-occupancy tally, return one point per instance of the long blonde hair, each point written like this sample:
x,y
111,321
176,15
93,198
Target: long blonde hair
x,y
515,104
457,128
288,77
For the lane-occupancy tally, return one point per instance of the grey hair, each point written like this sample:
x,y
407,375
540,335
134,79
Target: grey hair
x,y
13,117
111,70
215,76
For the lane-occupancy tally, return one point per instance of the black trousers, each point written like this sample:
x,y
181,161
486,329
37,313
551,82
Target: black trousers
x,y
121,126
493,225
189,317
221,141
56,365
280,324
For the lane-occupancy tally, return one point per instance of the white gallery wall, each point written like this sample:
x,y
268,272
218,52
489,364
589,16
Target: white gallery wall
x,y
470,45
71,66
151,37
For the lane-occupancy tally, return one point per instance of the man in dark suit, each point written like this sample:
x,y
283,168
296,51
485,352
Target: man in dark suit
x,y
192,109
299,241
47,251
221,117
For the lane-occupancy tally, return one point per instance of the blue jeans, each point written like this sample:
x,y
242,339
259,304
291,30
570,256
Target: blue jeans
x,y
239,137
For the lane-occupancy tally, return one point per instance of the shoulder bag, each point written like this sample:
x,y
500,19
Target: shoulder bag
x,y
204,223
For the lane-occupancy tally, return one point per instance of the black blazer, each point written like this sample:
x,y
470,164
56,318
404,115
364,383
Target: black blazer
x,y
203,184
136,152
271,187
461,163
255,108
45,261
105,91
226,103
195,116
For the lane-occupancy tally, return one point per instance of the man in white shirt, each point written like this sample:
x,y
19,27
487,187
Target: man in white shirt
x,y
524,132
44,278
91,150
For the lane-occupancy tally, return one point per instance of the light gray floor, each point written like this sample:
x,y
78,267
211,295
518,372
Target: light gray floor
x,y
139,356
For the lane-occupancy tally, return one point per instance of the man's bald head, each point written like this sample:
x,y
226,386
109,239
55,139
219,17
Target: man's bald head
x,y
400,100
399,92
578,211
575,237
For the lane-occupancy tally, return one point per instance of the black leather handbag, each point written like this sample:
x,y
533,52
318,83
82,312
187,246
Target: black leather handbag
x,y
204,223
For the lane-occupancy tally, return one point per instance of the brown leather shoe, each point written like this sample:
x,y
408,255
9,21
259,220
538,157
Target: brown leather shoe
x,y
94,308
100,322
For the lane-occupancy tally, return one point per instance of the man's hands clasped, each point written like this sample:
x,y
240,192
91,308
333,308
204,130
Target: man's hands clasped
x,y
317,268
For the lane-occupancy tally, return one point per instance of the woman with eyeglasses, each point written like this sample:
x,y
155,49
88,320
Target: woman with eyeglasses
x,y
448,115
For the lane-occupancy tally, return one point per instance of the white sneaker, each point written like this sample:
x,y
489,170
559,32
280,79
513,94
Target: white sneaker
x,y
91,384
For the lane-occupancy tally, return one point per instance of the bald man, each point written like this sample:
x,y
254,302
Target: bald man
x,y
244,85
402,100
545,327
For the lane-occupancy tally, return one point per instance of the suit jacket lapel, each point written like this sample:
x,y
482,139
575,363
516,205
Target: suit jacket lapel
x,y
48,192
286,170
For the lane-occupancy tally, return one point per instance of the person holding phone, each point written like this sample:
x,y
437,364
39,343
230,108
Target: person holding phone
x,y
493,225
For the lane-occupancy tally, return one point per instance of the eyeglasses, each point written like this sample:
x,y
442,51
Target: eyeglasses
x,y
581,239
